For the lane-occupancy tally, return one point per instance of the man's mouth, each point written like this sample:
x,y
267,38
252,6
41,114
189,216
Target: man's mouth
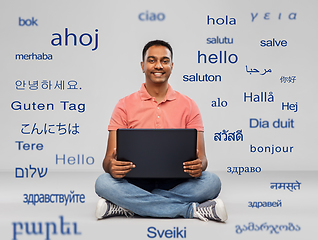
x,y
158,74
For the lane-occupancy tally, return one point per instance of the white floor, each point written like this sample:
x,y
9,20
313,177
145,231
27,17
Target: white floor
x,y
298,211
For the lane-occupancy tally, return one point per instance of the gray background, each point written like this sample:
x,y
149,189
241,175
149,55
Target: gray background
x,y
113,71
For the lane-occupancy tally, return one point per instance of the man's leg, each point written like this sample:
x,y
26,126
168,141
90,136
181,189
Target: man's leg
x,y
139,201
198,190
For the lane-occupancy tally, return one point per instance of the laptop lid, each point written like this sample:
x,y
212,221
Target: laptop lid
x,y
157,153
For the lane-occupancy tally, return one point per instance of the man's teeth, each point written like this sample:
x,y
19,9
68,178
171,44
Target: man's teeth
x,y
158,74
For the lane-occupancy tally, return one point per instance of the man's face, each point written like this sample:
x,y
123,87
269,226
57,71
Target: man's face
x,y
157,64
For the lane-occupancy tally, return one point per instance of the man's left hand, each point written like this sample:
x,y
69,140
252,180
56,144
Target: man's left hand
x,y
194,168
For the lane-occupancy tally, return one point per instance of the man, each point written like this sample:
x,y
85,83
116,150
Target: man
x,y
157,105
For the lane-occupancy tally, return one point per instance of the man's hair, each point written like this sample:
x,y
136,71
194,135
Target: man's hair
x,y
156,43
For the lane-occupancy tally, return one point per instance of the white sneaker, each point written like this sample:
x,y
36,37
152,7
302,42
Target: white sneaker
x,y
210,210
106,208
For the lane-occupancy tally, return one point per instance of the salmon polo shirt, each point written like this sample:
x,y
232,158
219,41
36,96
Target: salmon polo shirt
x,y
140,110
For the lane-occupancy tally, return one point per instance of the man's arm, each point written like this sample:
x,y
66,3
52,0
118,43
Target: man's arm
x,y
196,167
118,169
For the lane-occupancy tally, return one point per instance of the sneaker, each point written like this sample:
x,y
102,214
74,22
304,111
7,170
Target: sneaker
x,y
106,208
210,210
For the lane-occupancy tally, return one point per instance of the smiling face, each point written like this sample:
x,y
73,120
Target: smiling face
x,y
157,64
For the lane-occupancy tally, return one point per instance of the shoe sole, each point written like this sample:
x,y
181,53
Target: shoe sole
x,y
100,208
220,209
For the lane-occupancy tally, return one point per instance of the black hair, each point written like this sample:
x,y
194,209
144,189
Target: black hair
x,y
156,43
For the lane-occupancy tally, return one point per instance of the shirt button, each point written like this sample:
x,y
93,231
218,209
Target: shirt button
x,y
158,117
153,100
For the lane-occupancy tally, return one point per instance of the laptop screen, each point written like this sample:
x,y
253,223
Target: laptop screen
x,y
157,153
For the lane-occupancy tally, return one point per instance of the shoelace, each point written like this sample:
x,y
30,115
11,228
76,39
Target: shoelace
x,y
116,210
199,212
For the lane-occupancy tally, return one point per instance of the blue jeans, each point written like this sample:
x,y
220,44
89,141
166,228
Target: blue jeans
x,y
159,198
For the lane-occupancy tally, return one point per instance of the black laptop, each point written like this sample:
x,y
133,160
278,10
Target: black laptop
x,y
157,153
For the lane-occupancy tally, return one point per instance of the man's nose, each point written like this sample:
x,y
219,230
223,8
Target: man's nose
x,y
158,65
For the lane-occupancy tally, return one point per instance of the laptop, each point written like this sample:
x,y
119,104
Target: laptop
x,y
157,153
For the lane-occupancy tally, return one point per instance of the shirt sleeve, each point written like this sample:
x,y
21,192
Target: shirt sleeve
x,y
195,118
119,116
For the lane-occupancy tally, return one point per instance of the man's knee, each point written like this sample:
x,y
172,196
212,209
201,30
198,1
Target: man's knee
x,y
102,183
213,183
213,178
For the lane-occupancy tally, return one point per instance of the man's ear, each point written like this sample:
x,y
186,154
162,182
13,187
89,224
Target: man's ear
x,y
142,66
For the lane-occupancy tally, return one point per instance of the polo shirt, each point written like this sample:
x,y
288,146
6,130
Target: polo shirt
x,y
140,110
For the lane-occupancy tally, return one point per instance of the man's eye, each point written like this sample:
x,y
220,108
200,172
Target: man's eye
x,y
151,61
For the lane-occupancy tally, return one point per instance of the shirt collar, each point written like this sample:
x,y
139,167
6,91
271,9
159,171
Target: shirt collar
x,y
144,95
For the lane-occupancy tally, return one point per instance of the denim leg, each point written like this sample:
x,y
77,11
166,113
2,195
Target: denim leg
x,y
198,190
176,202
207,186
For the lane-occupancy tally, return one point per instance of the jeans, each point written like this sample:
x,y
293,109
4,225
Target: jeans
x,y
159,198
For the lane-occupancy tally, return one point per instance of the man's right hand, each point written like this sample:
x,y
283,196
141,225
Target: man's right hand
x,y
119,169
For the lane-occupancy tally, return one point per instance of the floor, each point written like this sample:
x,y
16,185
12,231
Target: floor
x,y
294,219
